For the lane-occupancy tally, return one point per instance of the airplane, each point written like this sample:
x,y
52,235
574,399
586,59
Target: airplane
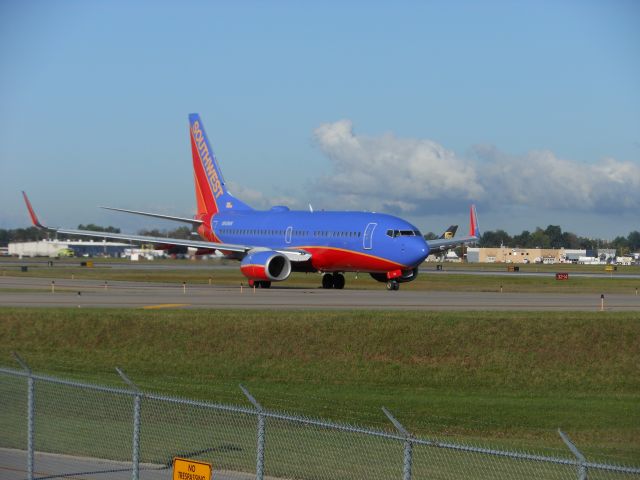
x,y
449,232
271,244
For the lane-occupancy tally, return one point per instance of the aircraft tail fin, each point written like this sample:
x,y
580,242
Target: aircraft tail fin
x,y
212,195
449,233
474,229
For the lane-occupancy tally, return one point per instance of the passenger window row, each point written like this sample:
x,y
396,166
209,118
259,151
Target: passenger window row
x,y
296,233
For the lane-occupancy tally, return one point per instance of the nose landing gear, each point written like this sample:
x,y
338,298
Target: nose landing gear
x,y
393,285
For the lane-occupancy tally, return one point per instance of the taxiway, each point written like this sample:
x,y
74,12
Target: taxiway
x,y
39,292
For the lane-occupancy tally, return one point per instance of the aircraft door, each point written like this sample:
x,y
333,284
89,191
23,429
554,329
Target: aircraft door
x,y
287,235
367,241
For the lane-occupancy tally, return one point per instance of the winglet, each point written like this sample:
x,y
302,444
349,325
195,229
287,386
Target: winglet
x,y
474,229
32,213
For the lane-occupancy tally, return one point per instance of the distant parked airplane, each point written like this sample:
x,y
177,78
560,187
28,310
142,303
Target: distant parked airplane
x,y
449,232
271,244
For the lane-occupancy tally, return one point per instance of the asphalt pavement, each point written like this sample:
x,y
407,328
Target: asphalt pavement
x,y
39,292
13,466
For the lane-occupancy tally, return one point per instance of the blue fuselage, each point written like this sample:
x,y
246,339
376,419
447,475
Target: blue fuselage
x,y
337,241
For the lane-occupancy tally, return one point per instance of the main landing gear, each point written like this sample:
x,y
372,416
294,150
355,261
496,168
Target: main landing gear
x,y
333,280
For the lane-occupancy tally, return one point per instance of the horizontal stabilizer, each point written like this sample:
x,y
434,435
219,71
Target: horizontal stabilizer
x,y
193,221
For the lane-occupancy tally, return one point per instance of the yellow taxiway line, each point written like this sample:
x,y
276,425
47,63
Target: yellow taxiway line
x,y
165,305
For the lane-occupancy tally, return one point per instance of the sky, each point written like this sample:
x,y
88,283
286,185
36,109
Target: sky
x,y
529,109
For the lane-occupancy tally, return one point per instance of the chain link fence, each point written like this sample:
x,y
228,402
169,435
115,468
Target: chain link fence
x,y
55,428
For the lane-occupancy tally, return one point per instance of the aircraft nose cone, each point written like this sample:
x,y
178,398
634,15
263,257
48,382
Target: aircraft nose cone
x,y
417,251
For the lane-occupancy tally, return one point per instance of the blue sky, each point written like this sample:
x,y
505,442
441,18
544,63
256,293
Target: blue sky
x,y
529,109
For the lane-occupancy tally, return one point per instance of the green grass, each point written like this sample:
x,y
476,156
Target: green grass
x,y
506,379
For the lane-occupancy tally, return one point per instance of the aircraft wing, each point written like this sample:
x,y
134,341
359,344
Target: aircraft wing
x,y
447,241
442,244
293,255
155,240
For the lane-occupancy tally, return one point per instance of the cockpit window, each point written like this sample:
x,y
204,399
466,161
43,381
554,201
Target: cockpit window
x,y
403,233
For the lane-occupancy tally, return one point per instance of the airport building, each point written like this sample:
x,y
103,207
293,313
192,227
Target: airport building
x,y
67,248
540,255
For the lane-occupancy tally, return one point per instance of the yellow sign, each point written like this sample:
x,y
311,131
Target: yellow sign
x,y
184,469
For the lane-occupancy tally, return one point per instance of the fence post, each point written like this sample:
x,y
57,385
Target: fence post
x,y
408,445
135,458
261,436
582,467
30,414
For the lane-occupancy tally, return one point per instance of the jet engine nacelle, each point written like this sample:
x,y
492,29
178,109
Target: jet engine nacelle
x,y
266,265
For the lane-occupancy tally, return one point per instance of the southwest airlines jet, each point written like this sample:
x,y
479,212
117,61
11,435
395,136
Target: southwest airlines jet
x,y
271,244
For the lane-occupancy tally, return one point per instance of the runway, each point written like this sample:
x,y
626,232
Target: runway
x,y
13,466
39,292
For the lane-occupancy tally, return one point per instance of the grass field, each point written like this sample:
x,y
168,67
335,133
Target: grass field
x,y
506,379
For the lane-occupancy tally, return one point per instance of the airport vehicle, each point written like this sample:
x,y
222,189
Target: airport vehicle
x,y
66,252
271,244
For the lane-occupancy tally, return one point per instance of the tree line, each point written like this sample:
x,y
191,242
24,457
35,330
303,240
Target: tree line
x,y
33,234
554,237
550,237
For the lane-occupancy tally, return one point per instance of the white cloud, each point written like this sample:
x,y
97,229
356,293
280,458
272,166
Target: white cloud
x,y
259,200
400,175
391,172
541,179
